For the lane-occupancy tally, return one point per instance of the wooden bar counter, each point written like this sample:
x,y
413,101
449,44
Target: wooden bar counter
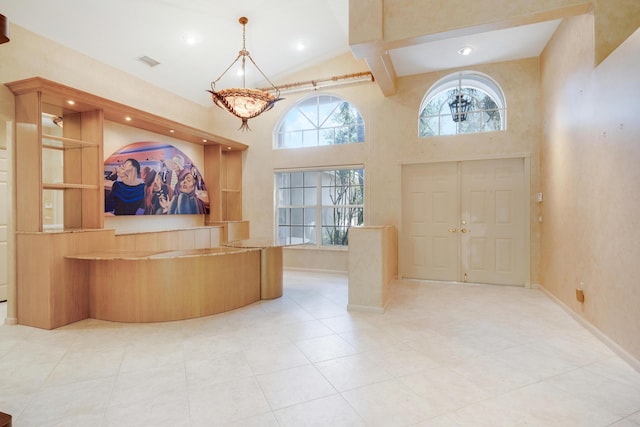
x,y
270,265
164,286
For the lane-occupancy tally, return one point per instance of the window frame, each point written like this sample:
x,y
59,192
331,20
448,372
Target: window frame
x,y
318,206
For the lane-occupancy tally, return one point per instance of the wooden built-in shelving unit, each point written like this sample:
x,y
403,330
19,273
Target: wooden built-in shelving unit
x,y
68,168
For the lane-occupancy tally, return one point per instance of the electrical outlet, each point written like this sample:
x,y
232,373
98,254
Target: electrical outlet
x,y
579,295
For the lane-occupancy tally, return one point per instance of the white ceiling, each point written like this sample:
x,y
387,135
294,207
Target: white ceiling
x,y
118,32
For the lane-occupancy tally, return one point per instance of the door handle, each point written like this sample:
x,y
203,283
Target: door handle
x,y
452,230
465,230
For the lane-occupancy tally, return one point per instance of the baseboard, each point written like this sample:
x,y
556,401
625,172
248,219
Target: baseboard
x,y
314,270
624,355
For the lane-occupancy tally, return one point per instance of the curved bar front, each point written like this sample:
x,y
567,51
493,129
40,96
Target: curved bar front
x,y
165,286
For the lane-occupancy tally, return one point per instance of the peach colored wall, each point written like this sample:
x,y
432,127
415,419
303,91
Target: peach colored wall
x,y
29,55
378,24
590,174
391,139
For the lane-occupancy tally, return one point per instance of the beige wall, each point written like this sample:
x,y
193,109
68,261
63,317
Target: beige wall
x,y
590,174
391,140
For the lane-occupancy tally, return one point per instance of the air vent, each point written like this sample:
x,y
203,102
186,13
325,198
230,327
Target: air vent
x,y
149,61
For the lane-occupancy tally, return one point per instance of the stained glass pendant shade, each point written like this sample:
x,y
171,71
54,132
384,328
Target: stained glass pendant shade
x,y
244,103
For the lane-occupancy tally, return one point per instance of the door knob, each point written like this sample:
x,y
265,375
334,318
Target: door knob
x,y
452,230
465,230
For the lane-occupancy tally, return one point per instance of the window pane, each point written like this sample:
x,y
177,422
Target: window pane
x,y
310,179
284,197
297,234
310,196
309,109
337,236
310,234
309,216
284,216
296,179
327,137
283,235
297,196
297,216
310,138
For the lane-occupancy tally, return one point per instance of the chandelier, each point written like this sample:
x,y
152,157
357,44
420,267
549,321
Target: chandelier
x,y
243,102
459,107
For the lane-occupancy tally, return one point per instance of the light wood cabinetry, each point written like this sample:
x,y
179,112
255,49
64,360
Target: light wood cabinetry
x,y
177,285
80,157
51,293
60,191
227,201
58,177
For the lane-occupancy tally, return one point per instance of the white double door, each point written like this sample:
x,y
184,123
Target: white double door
x,y
466,222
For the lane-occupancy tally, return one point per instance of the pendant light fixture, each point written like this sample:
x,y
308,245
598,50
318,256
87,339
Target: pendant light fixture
x,y
243,102
4,29
459,107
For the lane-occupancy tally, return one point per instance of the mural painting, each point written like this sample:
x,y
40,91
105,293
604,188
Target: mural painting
x,y
151,178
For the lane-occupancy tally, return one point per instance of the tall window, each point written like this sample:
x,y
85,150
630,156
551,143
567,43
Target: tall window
x,y
466,102
320,120
317,207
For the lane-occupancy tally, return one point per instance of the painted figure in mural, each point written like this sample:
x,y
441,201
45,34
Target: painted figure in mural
x,y
156,193
178,165
197,176
127,192
185,201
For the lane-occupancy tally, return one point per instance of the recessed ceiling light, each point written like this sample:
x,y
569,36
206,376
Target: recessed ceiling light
x,y
71,102
171,131
128,118
300,45
204,140
190,38
464,51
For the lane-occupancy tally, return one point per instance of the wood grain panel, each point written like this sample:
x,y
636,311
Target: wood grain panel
x,y
28,171
166,288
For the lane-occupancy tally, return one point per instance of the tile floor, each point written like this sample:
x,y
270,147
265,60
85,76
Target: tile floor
x,y
440,355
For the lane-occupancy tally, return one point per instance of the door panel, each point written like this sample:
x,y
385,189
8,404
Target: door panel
x,y
430,206
492,206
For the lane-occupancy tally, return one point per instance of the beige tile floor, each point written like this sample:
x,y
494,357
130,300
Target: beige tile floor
x,y
440,355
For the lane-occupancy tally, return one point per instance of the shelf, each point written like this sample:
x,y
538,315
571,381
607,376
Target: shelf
x,y
229,190
61,143
62,186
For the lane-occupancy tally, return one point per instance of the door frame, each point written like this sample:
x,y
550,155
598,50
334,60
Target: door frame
x,y
526,159
12,318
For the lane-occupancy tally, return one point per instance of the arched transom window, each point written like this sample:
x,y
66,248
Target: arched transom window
x,y
465,102
320,120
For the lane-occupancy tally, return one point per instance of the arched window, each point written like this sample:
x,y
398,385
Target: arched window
x,y
320,120
465,102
